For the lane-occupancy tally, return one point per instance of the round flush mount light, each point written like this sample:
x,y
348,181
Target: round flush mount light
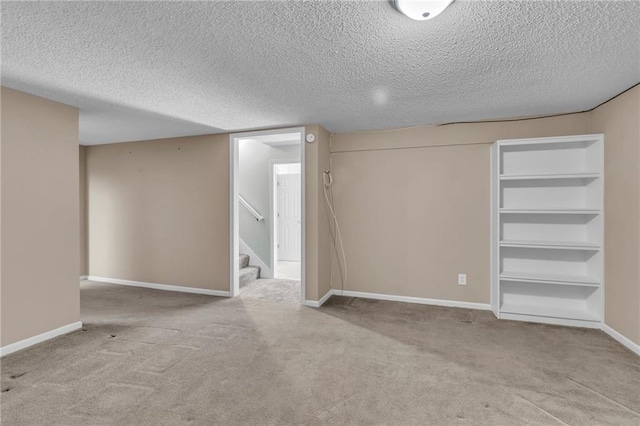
x,y
421,10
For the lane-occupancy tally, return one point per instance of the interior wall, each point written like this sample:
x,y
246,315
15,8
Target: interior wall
x,y
82,156
414,205
317,235
253,175
40,214
619,120
158,211
325,220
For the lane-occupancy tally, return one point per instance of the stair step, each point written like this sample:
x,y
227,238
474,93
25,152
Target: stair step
x,y
249,274
244,260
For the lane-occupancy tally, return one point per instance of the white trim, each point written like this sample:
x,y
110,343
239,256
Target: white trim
x,y
410,299
234,232
628,343
603,293
234,220
318,303
254,259
250,208
303,217
165,287
394,298
547,140
551,320
84,277
22,344
494,226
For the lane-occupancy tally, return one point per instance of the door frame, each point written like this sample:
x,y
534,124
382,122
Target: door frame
x,y
273,204
234,223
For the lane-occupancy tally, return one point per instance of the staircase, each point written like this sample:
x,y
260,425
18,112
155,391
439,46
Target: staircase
x,y
248,274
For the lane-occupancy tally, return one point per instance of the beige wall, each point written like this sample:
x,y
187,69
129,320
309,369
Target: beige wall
x,y
413,205
619,120
325,223
39,178
318,239
84,270
158,211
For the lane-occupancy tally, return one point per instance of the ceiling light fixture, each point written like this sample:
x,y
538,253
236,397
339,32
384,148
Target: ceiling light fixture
x,y
421,10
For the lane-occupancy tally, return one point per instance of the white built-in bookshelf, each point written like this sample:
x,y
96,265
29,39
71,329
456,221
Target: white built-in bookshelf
x,y
547,222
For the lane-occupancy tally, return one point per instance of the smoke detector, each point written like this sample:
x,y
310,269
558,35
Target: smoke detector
x,y
421,10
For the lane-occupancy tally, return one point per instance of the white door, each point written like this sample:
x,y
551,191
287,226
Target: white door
x,y
288,211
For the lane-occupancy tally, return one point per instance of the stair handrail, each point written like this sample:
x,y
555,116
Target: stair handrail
x,y
251,210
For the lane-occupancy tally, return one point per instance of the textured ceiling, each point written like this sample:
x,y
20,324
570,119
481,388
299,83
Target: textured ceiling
x,y
142,70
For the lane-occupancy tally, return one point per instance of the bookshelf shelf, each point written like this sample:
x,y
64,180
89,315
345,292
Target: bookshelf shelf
x,y
547,197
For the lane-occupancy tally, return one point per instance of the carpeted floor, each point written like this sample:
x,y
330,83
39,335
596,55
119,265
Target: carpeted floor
x,y
150,357
277,290
289,270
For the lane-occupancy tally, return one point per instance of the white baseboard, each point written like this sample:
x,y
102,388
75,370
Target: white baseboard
x,y
632,346
165,287
84,277
409,299
254,260
394,298
550,320
22,344
318,303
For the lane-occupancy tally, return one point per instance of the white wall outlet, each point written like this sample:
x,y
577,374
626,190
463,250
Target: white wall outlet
x,y
462,279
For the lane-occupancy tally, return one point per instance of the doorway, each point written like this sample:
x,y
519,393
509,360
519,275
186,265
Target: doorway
x,y
267,212
286,229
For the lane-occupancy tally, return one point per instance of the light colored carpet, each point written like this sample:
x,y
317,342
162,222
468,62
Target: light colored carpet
x,y
272,289
150,357
289,270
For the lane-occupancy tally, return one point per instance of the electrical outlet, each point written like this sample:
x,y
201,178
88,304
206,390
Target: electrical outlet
x,y
462,279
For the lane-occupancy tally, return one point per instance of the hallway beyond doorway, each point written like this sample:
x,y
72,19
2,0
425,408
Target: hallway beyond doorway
x,y
267,175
